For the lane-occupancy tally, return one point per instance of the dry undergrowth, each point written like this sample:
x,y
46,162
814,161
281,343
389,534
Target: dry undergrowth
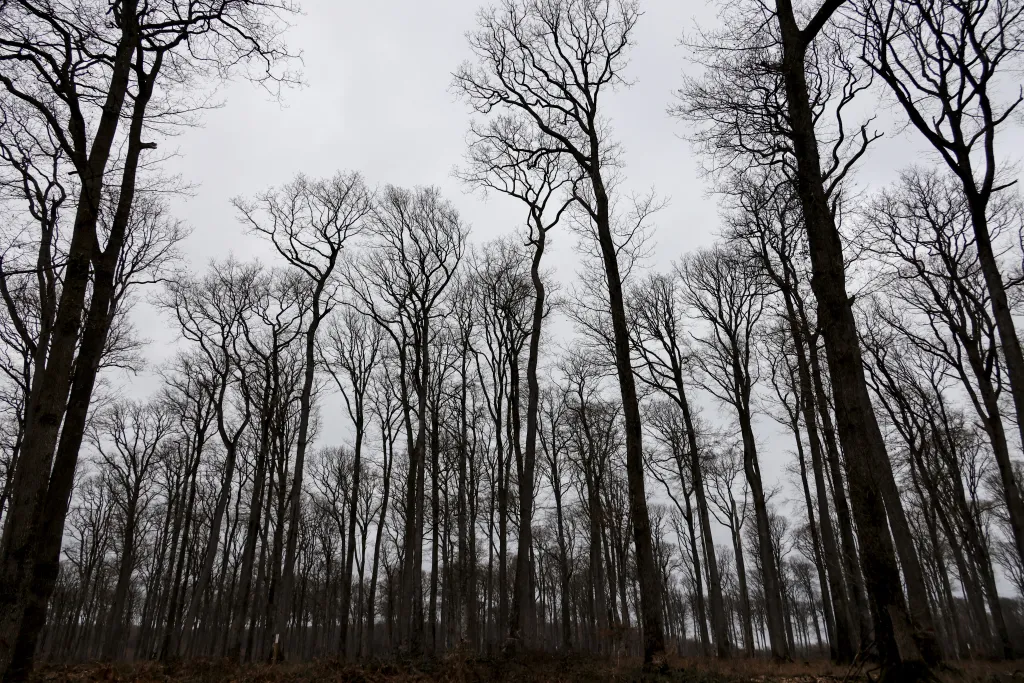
x,y
459,669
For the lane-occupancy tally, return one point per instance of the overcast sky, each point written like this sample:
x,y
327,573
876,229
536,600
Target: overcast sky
x,y
376,99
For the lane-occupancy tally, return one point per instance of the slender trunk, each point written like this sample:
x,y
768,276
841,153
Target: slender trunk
x,y
177,583
769,569
522,603
834,470
741,577
112,643
378,539
252,532
410,606
597,579
647,571
462,608
563,559
837,611
933,535
435,514
723,648
280,619
504,466
346,572
698,584
819,561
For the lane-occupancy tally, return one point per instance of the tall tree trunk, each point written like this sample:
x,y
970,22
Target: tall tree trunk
x,y
719,623
113,640
1011,351
280,618
840,618
819,561
411,626
698,584
834,470
462,608
647,571
387,447
435,514
769,569
252,532
563,560
346,572
902,645
177,582
522,603
933,535
33,531
209,556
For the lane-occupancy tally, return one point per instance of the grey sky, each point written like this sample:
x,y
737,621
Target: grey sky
x,y
377,100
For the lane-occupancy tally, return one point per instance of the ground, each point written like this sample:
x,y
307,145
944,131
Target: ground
x,y
526,669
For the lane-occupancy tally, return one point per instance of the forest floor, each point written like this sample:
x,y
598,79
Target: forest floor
x,y
505,670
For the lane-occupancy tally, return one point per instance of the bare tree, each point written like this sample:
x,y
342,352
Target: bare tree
x,y
951,67
130,439
922,230
657,328
766,223
723,471
264,350
418,242
770,100
902,647
82,70
508,156
554,438
550,63
350,352
308,222
728,293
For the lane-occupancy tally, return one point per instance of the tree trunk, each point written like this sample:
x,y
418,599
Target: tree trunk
x,y
113,642
769,569
33,531
647,571
723,648
900,650
834,470
346,572
522,603
840,618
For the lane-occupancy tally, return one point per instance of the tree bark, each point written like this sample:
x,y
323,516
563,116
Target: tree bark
x,y
647,571
522,604
899,642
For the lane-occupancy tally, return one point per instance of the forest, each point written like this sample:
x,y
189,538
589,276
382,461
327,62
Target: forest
x,y
534,462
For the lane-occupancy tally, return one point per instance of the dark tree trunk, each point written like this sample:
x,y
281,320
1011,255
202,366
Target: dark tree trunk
x,y
836,599
522,602
647,571
902,645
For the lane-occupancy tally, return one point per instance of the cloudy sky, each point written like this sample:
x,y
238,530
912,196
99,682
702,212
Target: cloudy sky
x,y
376,99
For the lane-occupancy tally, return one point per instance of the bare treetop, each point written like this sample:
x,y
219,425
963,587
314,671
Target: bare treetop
x,y
309,221
551,60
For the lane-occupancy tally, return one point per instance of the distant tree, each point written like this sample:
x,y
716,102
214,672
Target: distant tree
x,y
130,439
309,223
